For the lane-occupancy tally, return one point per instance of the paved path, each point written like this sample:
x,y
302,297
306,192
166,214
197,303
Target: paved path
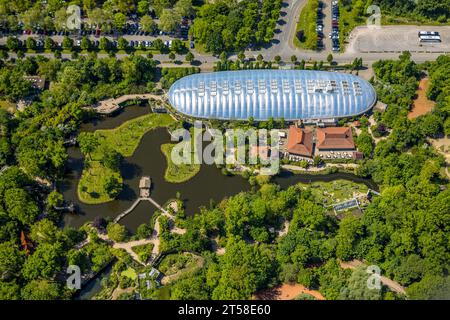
x,y
113,104
317,169
154,239
391,284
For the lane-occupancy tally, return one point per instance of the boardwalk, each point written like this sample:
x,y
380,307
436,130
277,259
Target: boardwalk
x,y
134,205
111,105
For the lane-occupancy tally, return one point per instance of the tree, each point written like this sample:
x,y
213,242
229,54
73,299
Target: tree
x,y
49,44
122,44
365,143
143,7
241,56
45,262
430,288
44,231
158,44
147,24
78,258
260,57
41,290
330,58
111,159
172,56
11,260
67,43
116,232
189,57
12,43
178,46
317,161
119,21
294,59
245,269
169,20
31,44
20,206
104,44
85,44
54,199
60,19
184,8
9,290
113,186
277,59
357,288
350,229
88,143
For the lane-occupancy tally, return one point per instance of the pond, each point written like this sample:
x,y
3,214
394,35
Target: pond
x,y
94,286
208,185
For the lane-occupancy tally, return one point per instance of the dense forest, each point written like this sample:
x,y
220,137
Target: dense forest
x,y
235,25
33,250
405,231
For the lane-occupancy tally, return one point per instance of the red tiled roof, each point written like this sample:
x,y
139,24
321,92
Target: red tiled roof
x,y
300,142
335,138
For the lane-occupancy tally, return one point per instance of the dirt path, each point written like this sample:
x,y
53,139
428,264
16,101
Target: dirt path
x,y
127,246
287,291
391,284
442,146
421,104
285,229
117,292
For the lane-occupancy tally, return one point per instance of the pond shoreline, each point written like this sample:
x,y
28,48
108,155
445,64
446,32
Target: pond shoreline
x,y
208,186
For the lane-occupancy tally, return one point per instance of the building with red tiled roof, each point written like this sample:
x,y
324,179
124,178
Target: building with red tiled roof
x,y
300,142
334,139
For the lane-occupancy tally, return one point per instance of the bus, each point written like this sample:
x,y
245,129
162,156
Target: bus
x,y
428,33
429,39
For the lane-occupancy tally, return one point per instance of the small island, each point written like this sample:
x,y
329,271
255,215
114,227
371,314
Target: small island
x,y
104,149
177,173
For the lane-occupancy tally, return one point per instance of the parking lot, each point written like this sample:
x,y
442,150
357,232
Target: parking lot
x,y
397,39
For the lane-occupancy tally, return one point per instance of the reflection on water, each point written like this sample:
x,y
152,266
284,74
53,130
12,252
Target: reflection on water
x,y
94,286
148,159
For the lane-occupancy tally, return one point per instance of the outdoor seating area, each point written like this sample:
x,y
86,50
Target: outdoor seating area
x,y
336,155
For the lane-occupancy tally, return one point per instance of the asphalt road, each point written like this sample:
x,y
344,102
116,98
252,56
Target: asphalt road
x,y
283,45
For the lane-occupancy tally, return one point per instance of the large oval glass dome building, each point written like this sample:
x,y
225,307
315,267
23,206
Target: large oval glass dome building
x,y
261,94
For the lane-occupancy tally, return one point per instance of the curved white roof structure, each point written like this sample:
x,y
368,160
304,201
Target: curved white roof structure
x,y
261,94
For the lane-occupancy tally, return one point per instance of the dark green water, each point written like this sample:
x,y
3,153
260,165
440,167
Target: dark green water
x,y
209,184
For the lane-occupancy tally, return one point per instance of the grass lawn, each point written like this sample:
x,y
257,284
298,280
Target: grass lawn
x,y
92,182
335,191
307,23
124,139
180,263
130,273
177,173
